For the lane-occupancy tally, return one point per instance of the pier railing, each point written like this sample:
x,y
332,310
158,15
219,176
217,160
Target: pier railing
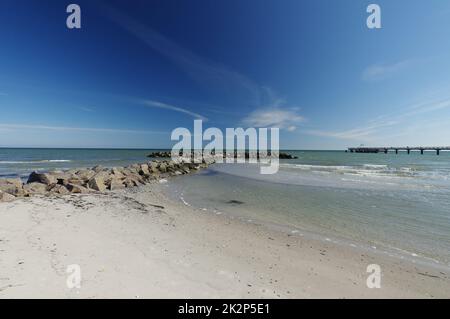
x,y
421,149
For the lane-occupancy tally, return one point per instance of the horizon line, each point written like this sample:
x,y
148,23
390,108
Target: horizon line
x,y
133,148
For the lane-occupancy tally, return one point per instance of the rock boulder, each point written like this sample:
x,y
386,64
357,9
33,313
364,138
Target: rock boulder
x,y
97,183
115,184
43,178
60,189
6,197
35,188
77,189
12,186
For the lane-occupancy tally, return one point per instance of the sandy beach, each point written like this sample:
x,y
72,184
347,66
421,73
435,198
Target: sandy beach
x,y
137,243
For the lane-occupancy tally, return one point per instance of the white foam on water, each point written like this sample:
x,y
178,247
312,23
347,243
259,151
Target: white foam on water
x,y
184,202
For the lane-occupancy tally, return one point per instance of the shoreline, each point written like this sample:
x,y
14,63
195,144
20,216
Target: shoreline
x,y
95,179
304,229
138,243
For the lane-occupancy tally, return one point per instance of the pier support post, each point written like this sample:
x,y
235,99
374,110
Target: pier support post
x,y
398,150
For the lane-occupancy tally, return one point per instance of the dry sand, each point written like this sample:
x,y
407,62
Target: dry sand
x,y
128,247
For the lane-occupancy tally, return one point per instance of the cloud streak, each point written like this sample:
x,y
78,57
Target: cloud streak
x,y
373,129
359,133
274,117
381,71
156,104
86,109
201,70
77,129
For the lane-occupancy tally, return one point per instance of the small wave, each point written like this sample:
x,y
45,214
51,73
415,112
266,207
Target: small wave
x,y
375,166
184,202
368,170
316,167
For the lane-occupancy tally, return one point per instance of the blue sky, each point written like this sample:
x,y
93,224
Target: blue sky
x,y
138,69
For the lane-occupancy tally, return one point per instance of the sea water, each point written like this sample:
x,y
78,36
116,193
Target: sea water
x,y
396,204
392,203
20,162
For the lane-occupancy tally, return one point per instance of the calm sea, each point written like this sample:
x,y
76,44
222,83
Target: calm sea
x,y
22,161
393,204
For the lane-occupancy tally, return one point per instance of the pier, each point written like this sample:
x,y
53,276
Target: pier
x,y
407,149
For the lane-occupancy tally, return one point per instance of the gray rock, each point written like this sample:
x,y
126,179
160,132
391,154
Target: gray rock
x,y
97,183
6,197
133,180
75,181
77,189
162,167
85,174
35,188
105,175
60,189
153,167
43,178
67,178
160,154
12,186
171,164
117,172
144,170
116,184
98,178
97,168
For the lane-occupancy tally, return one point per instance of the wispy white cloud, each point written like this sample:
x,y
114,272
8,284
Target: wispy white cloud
x,y
174,108
213,75
275,113
86,109
206,72
71,128
3,94
366,133
429,107
382,71
272,98
274,117
373,129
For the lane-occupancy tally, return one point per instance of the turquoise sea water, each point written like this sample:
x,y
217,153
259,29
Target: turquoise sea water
x,y
397,204
393,204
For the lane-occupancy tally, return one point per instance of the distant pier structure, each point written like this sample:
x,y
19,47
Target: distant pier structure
x,y
421,149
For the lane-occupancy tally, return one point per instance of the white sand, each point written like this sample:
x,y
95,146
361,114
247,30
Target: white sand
x,y
127,248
